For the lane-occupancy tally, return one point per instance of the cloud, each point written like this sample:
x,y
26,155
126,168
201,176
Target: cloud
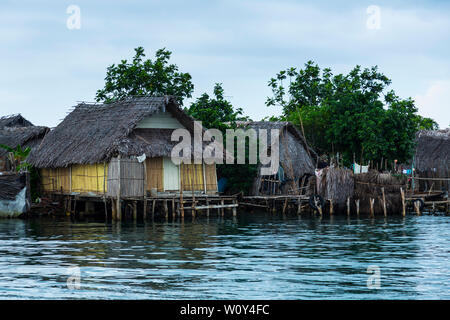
x,y
435,103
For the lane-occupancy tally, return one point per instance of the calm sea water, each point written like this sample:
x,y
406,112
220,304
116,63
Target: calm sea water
x,y
253,256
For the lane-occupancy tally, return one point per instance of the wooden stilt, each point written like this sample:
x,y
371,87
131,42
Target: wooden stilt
x,y
357,206
134,210
145,208
371,206
331,207
234,209
173,207
299,207
284,206
119,209
181,193
402,193
417,207
153,209
207,210
222,210
348,206
166,210
106,209
114,209
384,202
192,189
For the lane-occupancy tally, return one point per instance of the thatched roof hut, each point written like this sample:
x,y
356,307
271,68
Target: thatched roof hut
x,y
94,133
12,136
104,141
432,158
23,136
14,120
297,159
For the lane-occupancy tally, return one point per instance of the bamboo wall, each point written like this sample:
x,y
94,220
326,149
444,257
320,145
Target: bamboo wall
x,y
77,178
91,178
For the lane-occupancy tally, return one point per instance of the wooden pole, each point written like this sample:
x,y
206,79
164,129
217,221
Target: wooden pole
x,y
222,210
234,209
331,207
153,208
207,210
145,208
417,207
402,193
384,202
134,210
348,206
145,189
113,209
166,210
204,177
173,207
285,205
357,206
371,200
193,193
119,207
181,192
299,207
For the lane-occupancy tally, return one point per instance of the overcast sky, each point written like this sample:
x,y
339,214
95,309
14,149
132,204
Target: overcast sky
x,y
46,68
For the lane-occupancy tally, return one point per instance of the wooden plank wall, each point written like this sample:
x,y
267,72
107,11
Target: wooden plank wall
x,y
131,178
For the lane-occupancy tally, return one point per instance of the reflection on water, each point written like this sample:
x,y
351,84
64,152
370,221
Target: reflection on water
x,y
248,257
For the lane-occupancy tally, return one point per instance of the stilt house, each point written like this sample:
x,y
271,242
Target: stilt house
x,y
122,149
297,160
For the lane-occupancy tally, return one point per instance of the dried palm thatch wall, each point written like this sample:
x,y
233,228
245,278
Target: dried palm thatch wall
x,y
339,184
432,159
369,186
336,184
296,157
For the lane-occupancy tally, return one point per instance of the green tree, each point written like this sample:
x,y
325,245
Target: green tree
x,y
145,78
216,112
424,123
353,114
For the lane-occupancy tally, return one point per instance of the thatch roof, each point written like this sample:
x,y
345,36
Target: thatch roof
x,y
433,150
280,125
14,120
23,136
296,157
93,133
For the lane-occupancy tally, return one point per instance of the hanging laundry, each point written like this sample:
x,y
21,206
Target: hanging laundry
x,y
360,169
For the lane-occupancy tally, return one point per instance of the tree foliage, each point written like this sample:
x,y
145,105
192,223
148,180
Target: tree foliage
x,y
354,114
145,78
217,113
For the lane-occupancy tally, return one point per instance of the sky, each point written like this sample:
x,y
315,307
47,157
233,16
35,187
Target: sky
x,y
48,65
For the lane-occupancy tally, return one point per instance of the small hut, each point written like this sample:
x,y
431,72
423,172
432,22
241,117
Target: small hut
x,y
29,136
14,120
122,149
432,159
297,160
